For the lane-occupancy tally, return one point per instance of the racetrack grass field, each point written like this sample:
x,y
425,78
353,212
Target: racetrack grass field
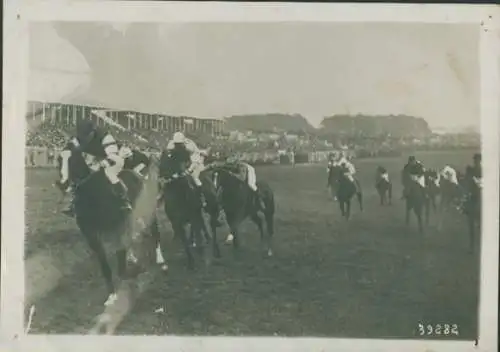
x,y
369,277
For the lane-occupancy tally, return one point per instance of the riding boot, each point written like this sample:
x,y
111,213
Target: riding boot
x,y
258,200
121,192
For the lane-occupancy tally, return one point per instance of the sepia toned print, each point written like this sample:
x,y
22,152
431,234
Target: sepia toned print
x,y
274,179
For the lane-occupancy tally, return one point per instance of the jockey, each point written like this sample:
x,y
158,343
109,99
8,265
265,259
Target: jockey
x,y
134,160
346,163
180,142
102,147
448,173
246,172
382,174
473,174
413,170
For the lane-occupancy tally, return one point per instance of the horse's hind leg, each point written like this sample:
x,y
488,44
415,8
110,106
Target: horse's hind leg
x,y
269,216
390,193
427,209
408,210
359,195
258,221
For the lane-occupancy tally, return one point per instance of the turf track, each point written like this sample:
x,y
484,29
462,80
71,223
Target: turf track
x,y
371,277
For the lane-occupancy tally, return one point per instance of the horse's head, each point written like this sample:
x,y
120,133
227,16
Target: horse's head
x,y
172,168
72,166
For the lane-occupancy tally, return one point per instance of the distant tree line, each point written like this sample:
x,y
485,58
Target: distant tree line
x,y
348,125
379,125
268,123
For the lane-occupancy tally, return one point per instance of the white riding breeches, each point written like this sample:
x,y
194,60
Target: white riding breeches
x,y
385,176
65,155
251,177
349,176
418,179
450,174
196,169
113,169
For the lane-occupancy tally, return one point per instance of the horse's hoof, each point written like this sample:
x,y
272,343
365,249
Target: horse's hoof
x,y
164,267
270,253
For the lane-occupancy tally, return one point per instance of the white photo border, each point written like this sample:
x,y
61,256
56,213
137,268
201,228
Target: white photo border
x,y
18,15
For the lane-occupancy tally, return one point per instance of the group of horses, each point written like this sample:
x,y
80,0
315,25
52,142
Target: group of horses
x,y
135,237
438,193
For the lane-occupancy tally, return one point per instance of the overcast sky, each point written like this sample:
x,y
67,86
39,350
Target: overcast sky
x,y
216,70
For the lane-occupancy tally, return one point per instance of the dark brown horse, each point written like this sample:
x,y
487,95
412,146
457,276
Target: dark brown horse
x,y
416,200
346,187
101,219
383,185
239,203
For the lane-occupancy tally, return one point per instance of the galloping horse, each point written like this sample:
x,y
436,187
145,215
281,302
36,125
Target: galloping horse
x,y
383,185
472,206
238,202
181,204
433,189
416,200
331,182
451,192
99,216
346,188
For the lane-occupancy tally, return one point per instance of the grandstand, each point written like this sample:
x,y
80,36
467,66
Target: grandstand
x,y
55,122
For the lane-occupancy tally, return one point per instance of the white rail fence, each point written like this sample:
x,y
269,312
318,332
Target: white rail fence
x,y
43,157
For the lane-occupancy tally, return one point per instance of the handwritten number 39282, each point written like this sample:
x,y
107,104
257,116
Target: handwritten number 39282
x,y
438,329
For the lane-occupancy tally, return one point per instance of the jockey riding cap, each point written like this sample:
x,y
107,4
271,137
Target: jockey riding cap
x,y
178,138
411,158
85,128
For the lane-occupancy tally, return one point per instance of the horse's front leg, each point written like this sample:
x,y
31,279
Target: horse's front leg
x,y
155,233
258,221
215,244
342,207
427,209
419,209
180,231
98,249
472,224
197,227
348,210
408,210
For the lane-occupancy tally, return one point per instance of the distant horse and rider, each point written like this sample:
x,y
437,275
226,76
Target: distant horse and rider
x,y
472,185
383,185
415,192
186,197
104,199
242,196
344,185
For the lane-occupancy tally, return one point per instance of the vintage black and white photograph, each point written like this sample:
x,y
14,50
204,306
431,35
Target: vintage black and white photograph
x,y
279,179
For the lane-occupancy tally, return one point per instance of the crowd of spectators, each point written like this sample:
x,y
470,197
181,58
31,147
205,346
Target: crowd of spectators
x,y
264,146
